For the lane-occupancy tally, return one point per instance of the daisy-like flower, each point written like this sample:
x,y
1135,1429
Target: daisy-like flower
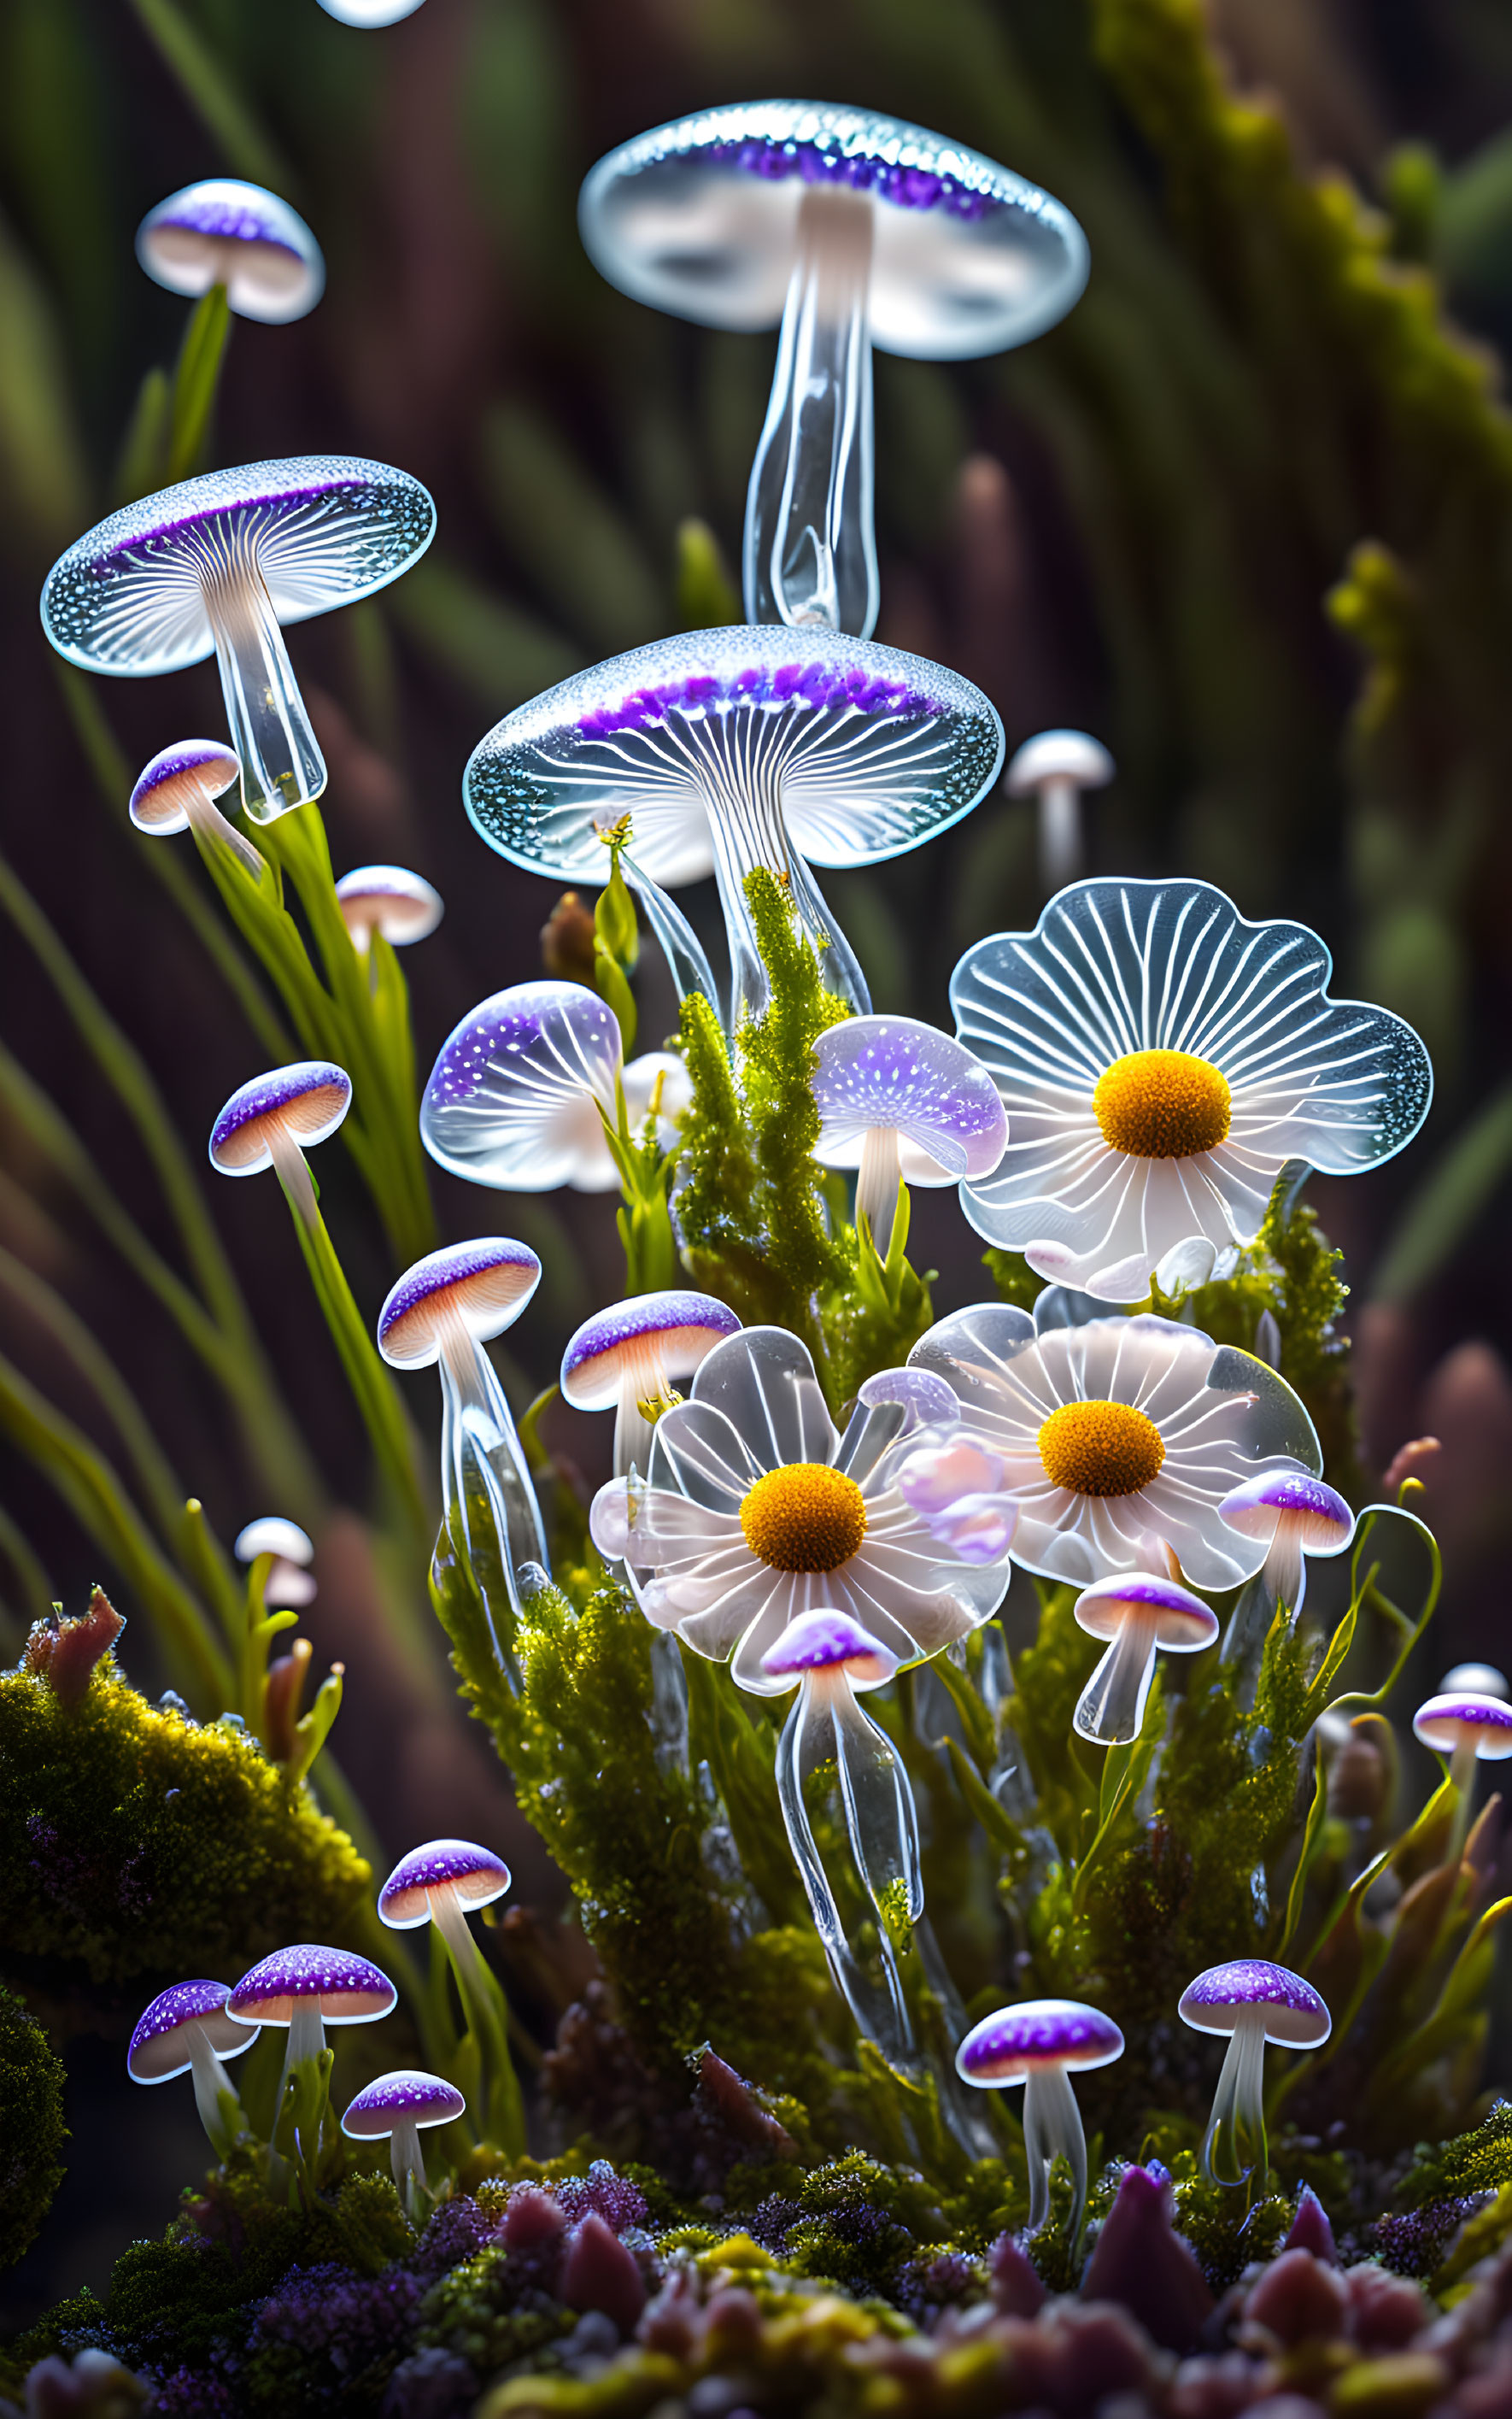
x,y
757,1509
1161,1060
1116,1438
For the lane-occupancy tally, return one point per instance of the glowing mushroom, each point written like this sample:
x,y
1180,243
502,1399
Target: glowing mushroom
x,y
902,1104
370,14
177,792
1299,1514
1469,1729
305,1989
1137,1612
273,1120
187,2030
852,230
289,1582
1253,2002
400,906
441,1883
396,2108
215,565
1040,2044
1484,1678
627,1360
1055,766
221,232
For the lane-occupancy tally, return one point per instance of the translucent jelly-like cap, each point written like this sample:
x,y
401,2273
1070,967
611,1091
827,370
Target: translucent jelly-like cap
x,y
486,1284
895,1072
514,1095
390,900
824,1642
700,218
223,232
1180,1620
869,750
307,1102
1317,1512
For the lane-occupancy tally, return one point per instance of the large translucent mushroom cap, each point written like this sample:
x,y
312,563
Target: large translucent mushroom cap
x,y
700,218
514,1096
829,1641
898,1073
484,1284
1176,1619
223,232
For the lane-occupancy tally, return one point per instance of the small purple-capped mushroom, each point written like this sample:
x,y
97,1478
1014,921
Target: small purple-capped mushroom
x,y
273,1120
1138,1612
223,232
903,1104
289,1582
395,2108
1300,1516
829,1641
1253,2002
1469,1729
441,1883
187,2030
402,907
1055,766
370,14
306,1988
628,1358
1040,2044
177,792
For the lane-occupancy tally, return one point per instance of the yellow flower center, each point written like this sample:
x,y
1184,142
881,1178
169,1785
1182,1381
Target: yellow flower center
x,y
1162,1104
804,1517
1100,1449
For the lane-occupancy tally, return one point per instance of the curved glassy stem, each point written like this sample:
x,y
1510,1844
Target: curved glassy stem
x,y
1462,1773
748,831
1053,2130
879,1182
206,816
1059,832
810,551
484,1475
1112,1705
281,765
679,943
1235,2145
1285,1574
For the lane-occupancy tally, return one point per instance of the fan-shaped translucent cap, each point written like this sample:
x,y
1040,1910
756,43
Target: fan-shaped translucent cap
x,y
667,1333
486,1284
221,232
273,1535
1182,1622
1017,2041
1059,756
869,750
456,1868
514,1095
162,2044
178,777
1294,2014
405,2096
322,530
390,900
346,1989
700,218
305,1102
1319,1516
827,1642
1465,1718
894,1071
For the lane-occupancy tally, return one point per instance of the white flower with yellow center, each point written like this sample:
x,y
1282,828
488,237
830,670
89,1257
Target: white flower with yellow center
x,y
757,1509
1161,1061
1118,1438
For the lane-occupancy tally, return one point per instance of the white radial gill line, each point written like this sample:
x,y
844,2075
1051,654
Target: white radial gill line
x,y
1314,1051
1110,1035
1078,1024
1143,946
1109,963
1103,977
1260,992
1072,1050
1192,967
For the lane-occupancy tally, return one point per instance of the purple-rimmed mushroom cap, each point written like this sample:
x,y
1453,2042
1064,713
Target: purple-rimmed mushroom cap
x,y
457,1871
483,1285
828,1641
1465,1719
407,2096
178,2019
223,232
895,1073
1033,2036
628,1359
290,1583
1288,2008
178,780
514,1096
1178,1620
390,901
339,1987
1316,1515
928,1400
298,1106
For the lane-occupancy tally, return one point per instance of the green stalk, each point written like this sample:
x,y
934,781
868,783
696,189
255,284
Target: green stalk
x,y
195,380
212,95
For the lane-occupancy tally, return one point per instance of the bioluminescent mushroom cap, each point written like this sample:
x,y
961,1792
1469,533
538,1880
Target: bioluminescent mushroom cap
x,y
457,1868
346,1990
1482,1679
860,750
305,1102
370,14
654,1336
514,1095
273,1535
1464,1719
1015,2042
224,233
1070,756
1320,1517
161,2045
827,1640
407,2096
896,1072
1293,2012
1183,1622
700,218
390,900
180,777
486,1284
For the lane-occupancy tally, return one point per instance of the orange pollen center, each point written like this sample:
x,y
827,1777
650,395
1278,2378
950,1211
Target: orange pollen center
x,y
1162,1104
804,1517
1100,1449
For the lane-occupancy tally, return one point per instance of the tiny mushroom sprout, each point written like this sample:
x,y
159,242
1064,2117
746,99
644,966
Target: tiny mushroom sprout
x,y
306,1988
1055,766
440,1882
1297,1515
273,1120
215,565
177,792
187,2030
902,1104
223,232
628,1358
400,906
395,2108
1040,2044
289,1582
1253,2002
736,751
1469,1729
1138,1611
850,230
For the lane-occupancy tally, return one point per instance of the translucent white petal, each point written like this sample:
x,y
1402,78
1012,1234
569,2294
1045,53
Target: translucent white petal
x,y
697,1451
763,1381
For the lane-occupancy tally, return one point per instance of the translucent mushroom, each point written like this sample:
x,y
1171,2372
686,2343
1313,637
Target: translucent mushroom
x,y
1040,2044
221,232
177,792
215,565
305,1989
628,1359
388,900
290,1582
1298,1515
852,230
1485,1679
1253,2002
441,1883
370,14
736,749
187,2031
396,2108
901,1103
1055,766
1137,1612
273,1120
1467,1729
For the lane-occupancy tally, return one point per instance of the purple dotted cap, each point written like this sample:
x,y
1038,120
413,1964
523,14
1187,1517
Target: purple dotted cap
x,y
1464,1719
654,1336
348,1990
823,1640
872,751
163,2043
486,1284
892,1070
406,2096
178,777
390,900
1183,1622
1320,1518
455,1869
223,232
1294,2014
700,218
307,1102
513,1099
1015,2042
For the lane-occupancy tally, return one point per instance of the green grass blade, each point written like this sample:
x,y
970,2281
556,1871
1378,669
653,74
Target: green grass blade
x,y
213,97
196,380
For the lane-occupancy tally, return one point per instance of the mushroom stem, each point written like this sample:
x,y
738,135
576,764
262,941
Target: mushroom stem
x,y
281,765
679,943
1462,1773
1111,1707
747,832
210,825
810,552
878,1183
293,1173
210,2081
487,2015
407,2160
1238,2118
642,1381
491,1506
1053,2130
1285,1574
1060,831
307,2039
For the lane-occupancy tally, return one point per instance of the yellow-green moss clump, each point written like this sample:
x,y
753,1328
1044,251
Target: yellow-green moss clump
x,y
32,2130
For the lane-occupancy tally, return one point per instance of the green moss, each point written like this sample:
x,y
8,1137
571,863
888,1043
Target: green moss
x,y
32,2132
1477,2162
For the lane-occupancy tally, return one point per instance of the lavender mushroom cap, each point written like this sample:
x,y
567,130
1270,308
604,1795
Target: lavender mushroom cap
x,y
894,1071
472,1874
1323,1520
179,775
819,1642
405,2097
307,1102
1465,1718
1013,2044
669,1333
224,232
390,900
486,1284
347,1990
511,1099
1294,2014
160,2046
1182,1622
